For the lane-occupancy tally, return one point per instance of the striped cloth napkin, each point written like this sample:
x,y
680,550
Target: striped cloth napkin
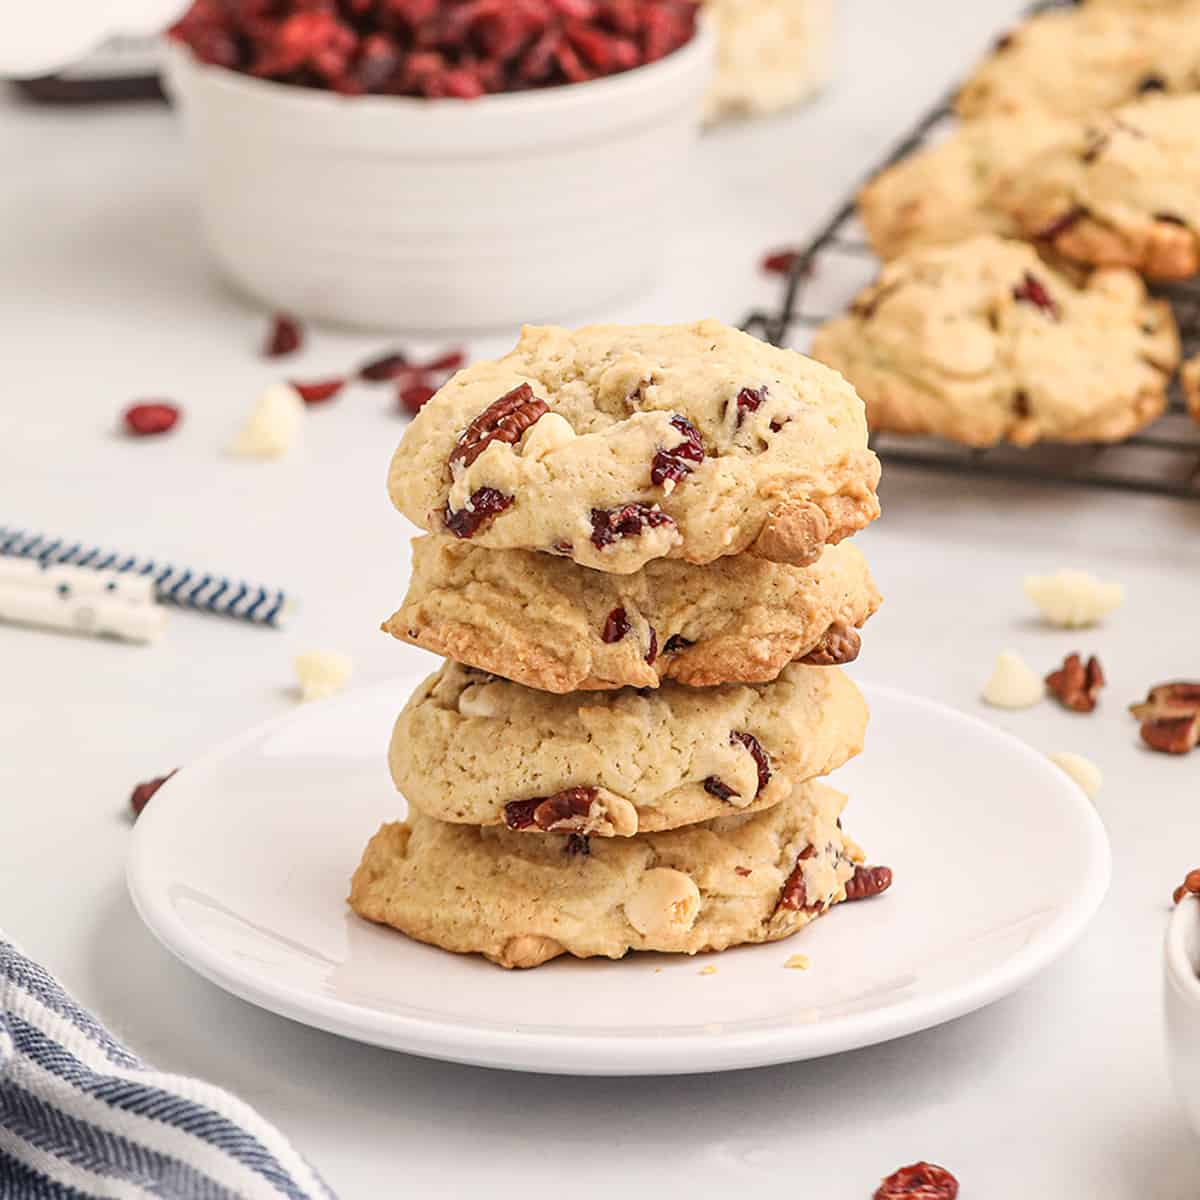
x,y
82,1117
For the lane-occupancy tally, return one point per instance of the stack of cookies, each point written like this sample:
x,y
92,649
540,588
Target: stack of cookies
x,y
1014,306
635,563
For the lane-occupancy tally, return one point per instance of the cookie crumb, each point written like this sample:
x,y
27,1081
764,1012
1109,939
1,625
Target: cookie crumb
x,y
1082,770
321,673
1073,599
710,970
1013,683
799,962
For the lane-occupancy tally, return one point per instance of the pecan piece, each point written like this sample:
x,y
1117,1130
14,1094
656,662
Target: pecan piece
x,y
565,810
505,420
677,642
793,896
1172,735
484,505
1170,717
1189,887
839,644
1076,686
920,1181
868,881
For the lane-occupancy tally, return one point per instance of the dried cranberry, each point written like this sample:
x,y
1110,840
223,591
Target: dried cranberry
x,y
1061,224
749,400
677,463
780,262
385,367
1031,291
921,1181
714,787
150,418
616,626
677,642
319,391
612,524
484,506
451,360
652,648
415,396
284,337
504,420
761,761
144,792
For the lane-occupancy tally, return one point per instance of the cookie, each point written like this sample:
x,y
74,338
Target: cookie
x,y
983,342
521,901
944,193
1072,62
616,446
1190,375
479,750
771,54
550,624
1121,190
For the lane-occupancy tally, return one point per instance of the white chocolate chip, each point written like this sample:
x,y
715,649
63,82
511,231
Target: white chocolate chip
x,y
478,700
547,434
1082,770
321,673
612,816
1073,599
273,426
1014,684
666,902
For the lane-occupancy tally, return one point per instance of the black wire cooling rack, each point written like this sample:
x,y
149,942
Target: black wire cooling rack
x,y
1163,459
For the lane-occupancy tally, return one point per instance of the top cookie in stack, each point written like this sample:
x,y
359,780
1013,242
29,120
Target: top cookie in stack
x,y
636,529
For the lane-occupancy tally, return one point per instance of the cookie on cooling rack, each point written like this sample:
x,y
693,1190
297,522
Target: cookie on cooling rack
x,y
944,193
1190,376
1121,189
1072,62
618,445
547,623
475,749
521,901
983,342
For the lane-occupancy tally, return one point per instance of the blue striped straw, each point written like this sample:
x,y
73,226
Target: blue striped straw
x,y
172,585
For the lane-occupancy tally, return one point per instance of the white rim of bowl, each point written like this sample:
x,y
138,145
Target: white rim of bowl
x,y
1179,962
608,87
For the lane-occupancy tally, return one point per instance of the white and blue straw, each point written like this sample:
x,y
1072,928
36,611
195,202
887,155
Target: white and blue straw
x,y
180,586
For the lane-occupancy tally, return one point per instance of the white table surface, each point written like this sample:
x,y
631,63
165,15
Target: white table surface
x,y
106,295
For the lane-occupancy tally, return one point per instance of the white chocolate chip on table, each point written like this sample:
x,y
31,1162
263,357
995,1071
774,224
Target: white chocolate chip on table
x,y
273,426
1082,770
1073,599
1013,683
322,673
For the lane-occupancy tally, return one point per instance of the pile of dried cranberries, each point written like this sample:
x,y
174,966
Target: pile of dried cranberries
x,y
434,48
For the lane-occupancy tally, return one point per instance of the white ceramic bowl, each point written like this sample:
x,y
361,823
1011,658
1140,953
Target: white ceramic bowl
x,y
1181,995
403,213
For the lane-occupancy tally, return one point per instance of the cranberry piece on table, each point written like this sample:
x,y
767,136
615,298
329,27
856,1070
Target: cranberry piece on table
x,y
151,418
284,336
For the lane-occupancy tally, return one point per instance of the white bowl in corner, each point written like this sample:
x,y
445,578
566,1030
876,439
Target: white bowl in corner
x,y
1181,994
403,213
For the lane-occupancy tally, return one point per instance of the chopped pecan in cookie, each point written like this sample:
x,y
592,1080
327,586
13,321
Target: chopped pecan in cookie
x,y
794,896
677,642
1075,685
1170,717
485,504
565,810
840,644
505,420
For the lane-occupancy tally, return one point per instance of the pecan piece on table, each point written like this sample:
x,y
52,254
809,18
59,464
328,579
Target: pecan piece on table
x,y
565,810
867,882
1189,887
920,1181
1075,685
839,644
505,420
1170,717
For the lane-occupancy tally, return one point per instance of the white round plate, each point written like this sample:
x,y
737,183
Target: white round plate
x,y
241,863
